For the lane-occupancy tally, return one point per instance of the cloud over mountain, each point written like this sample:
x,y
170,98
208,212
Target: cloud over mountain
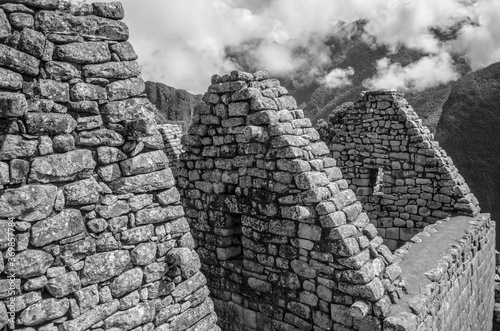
x,y
182,43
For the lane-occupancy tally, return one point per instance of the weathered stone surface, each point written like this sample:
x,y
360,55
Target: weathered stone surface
x,y
125,51
110,172
103,266
83,192
84,91
101,137
107,155
143,254
112,10
18,61
4,173
186,259
5,28
54,90
63,143
137,235
73,252
13,147
126,282
49,124
87,297
62,167
18,171
62,70
91,317
91,107
92,26
67,223
12,104
144,163
169,197
131,318
30,263
32,42
112,70
10,80
158,214
89,123
28,203
64,284
141,201
114,210
25,300
83,53
192,316
128,110
123,89
22,20
158,180
44,311
43,4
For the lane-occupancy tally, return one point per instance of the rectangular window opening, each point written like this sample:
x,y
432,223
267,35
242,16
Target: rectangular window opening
x,y
377,181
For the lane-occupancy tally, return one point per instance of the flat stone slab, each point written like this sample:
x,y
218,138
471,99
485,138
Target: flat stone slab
x,y
30,263
18,61
49,123
159,180
67,223
62,167
89,26
103,266
28,203
12,104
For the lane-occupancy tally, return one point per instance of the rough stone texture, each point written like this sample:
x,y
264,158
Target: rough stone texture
x,y
404,180
81,160
449,270
62,167
257,184
28,203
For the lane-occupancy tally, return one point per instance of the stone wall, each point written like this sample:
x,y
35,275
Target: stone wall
x,y
404,180
92,234
283,241
172,134
449,271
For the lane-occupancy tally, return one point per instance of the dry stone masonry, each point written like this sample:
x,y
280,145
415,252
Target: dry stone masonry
x,y
404,180
284,232
285,244
92,233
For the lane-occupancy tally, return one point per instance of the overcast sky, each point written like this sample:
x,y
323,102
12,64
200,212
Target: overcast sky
x,y
183,42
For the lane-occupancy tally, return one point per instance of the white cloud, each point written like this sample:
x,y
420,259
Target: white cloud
x,y
182,43
338,78
480,44
428,72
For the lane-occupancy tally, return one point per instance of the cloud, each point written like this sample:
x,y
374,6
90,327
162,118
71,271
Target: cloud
x,y
480,43
182,43
338,78
416,76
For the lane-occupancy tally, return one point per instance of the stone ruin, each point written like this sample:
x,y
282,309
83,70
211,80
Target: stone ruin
x,y
286,244
276,231
88,202
404,180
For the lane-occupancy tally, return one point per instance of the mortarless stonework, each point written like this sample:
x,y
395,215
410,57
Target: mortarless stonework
x,y
285,243
101,241
101,238
404,180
